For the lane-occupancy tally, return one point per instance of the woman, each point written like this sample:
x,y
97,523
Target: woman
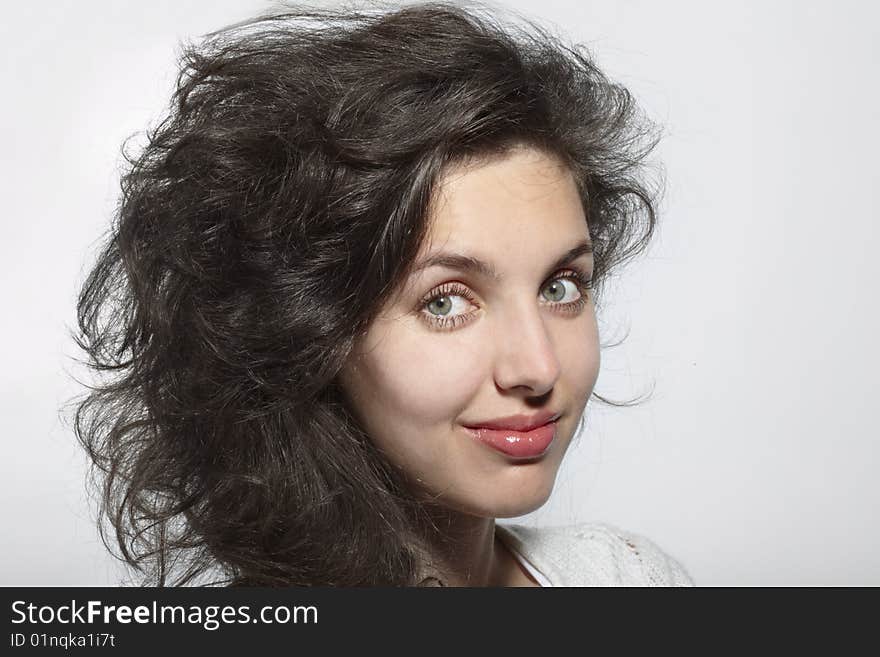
x,y
349,303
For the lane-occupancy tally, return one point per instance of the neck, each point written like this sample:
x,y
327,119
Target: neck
x,y
462,550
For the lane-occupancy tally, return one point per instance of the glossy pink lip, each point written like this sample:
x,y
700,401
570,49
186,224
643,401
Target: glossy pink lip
x,y
517,444
518,436
516,422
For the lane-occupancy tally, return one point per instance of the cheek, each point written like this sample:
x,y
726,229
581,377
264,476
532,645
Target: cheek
x,y
579,352
421,378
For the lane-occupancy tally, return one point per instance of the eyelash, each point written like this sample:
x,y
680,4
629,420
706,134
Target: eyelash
x,y
583,281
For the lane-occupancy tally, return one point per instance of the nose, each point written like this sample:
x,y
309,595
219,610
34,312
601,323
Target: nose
x,y
526,357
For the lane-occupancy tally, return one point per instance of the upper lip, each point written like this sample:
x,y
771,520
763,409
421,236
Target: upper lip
x,y
519,422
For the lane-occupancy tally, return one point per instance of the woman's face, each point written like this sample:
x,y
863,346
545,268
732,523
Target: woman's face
x,y
458,347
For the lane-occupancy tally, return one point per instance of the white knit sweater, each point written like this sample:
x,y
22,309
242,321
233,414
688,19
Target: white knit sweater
x,y
592,554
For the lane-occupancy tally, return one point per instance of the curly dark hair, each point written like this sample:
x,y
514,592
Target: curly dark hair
x,y
270,215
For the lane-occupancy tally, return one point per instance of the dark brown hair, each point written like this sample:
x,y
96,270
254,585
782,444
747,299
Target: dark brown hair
x,y
269,216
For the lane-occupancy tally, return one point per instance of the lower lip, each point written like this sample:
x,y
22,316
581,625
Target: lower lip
x,y
517,444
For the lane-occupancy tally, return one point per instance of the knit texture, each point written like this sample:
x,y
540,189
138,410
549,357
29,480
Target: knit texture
x,y
593,554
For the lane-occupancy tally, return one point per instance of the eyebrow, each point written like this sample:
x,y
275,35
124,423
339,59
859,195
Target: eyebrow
x,y
470,264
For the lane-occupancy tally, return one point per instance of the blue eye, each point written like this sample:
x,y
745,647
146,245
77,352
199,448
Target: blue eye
x,y
558,291
442,301
439,307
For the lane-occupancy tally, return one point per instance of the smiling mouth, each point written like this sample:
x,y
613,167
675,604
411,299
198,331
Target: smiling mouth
x,y
517,445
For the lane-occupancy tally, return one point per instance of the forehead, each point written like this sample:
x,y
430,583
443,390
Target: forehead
x,y
524,201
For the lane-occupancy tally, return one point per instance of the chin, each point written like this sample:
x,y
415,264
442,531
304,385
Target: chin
x,y
520,506
509,503
527,488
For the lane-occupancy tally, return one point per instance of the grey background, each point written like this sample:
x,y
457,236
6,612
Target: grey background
x,y
753,317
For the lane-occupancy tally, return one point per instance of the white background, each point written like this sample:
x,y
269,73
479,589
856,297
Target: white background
x,y
753,317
